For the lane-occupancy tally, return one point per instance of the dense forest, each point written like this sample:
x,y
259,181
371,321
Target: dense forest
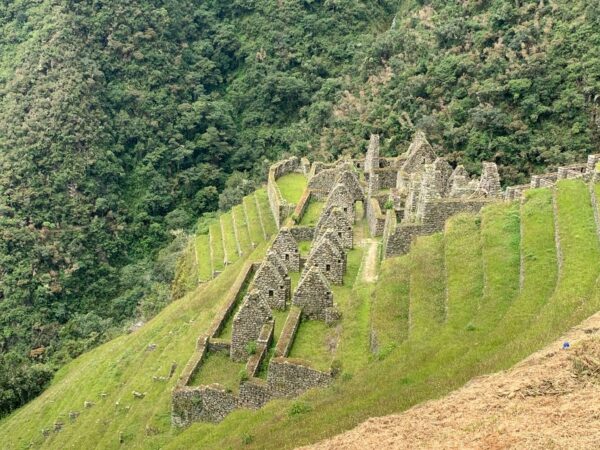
x,y
122,123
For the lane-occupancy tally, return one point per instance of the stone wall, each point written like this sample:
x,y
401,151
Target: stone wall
x,y
349,179
279,206
274,286
328,255
321,183
386,178
303,233
372,156
434,218
289,378
341,198
286,248
262,346
288,333
204,403
375,217
254,393
334,219
248,323
313,294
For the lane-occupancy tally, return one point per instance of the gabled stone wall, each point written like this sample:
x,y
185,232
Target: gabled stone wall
x,y
286,247
274,287
334,219
313,294
341,198
329,259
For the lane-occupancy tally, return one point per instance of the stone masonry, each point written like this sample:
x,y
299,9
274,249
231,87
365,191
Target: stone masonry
x,y
334,219
313,294
273,285
340,197
286,247
248,323
328,255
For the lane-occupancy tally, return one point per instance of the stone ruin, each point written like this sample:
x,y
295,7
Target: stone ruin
x,y
269,289
403,197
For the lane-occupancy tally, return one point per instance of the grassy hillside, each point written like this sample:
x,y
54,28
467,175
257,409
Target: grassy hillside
x,y
477,298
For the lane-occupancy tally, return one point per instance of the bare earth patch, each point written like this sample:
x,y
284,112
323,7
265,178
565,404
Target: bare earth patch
x,y
550,400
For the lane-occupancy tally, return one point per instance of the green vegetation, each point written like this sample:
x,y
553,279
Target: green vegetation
x,y
255,229
511,313
304,248
203,257
241,227
292,186
279,317
219,368
427,286
312,213
266,215
122,123
217,246
389,309
229,240
315,343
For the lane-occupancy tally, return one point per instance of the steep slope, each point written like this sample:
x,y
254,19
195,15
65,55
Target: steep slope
x,y
466,307
549,400
122,122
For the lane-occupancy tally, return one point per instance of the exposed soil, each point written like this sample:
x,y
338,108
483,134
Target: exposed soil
x,y
551,400
369,269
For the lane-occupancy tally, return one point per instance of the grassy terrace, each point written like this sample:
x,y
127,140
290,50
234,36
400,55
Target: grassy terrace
x,y
312,213
480,297
255,229
219,368
266,214
315,342
239,218
203,256
216,245
389,309
229,241
292,186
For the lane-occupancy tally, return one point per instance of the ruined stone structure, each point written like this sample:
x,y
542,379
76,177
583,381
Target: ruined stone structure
x,y
334,219
273,282
286,247
404,197
313,294
328,255
248,323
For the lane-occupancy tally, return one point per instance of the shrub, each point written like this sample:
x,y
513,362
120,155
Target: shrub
x,y
251,348
299,408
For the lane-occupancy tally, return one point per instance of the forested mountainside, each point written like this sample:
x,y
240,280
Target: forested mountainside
x,y
121,123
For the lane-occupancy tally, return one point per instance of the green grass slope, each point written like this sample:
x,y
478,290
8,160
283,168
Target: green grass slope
x,y
477,298
230,235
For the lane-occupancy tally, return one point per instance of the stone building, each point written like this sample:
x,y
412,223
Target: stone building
x,y
248,323
328,255
273,284
489,184
340,197
286,247
313,295
334,219
349,179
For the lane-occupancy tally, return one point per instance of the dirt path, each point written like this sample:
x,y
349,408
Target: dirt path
x,y
369,263
551,400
